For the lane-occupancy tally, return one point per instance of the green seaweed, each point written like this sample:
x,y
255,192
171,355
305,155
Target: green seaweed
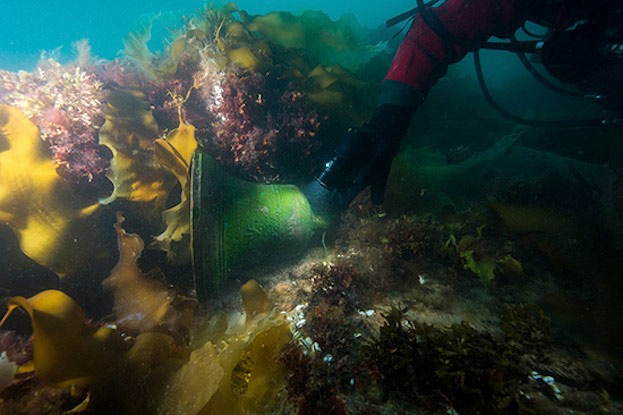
x,y
484,268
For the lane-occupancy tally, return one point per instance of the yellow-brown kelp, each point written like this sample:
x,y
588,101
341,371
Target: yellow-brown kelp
x,y
143,301
144,168
320,39
68,352
234,369
174,152
331,51
129,132
34,201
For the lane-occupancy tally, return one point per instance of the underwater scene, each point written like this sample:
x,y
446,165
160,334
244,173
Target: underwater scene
x,y
200,215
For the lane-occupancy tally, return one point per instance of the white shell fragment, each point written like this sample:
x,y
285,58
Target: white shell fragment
x,y
7,371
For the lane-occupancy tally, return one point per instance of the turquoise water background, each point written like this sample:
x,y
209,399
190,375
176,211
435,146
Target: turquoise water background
x,y
28,27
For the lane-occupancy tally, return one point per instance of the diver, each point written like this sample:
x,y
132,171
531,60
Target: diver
x,y
583,47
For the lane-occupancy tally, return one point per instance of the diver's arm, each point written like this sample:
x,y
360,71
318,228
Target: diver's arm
x,y
424,55
364,157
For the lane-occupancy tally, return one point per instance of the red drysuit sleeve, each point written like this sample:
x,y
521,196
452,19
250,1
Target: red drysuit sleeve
x,y
423,56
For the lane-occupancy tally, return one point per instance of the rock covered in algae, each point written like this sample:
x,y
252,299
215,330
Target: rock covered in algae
x,y
66,102
264,128
255,103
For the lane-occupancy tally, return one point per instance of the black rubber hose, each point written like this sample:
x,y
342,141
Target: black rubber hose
x,y
524,121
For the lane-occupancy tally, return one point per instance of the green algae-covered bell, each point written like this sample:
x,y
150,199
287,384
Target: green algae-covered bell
x,y
237,224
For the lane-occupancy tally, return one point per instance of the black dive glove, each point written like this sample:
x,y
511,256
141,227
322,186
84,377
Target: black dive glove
x,y
362,159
